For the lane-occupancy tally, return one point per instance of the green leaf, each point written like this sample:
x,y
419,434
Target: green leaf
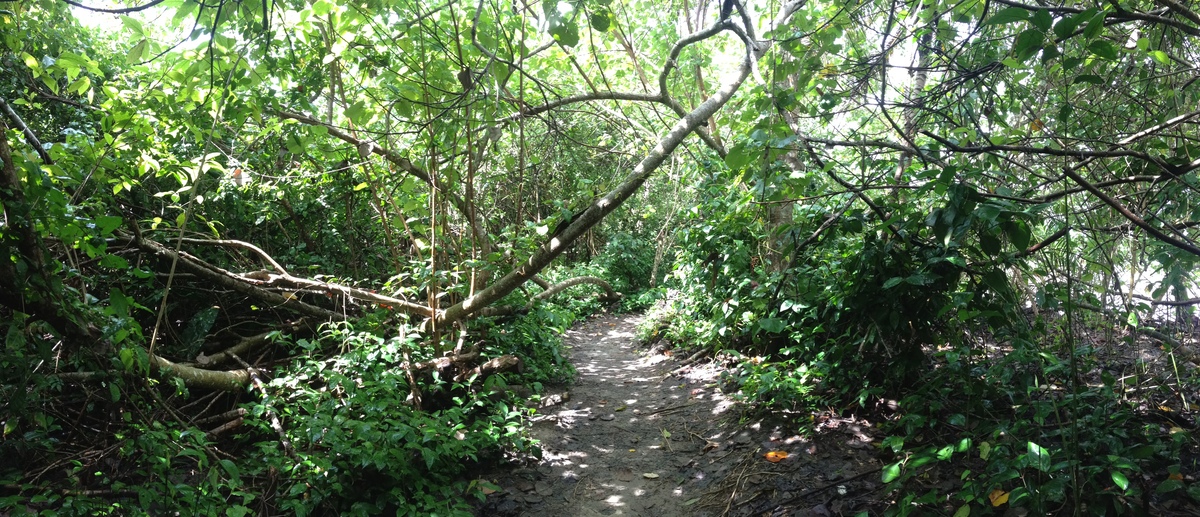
x,y
114,262
360,186
996,280
1132,319
1050,52
893,282
1103,49
944,179
1039,457
1065,111
1018,233
29,61
1169,485
1066,26
1161,57
891,472
1120,480
771,325
356,111
564,31
127,358
963,445
601,19
1088,78
136,53
107,223
963,511
133,25
230,468
740,155
989,244
1095,26
1042,20
1194,492
1028,43
1007,15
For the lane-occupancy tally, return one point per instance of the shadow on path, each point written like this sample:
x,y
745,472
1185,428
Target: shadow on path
x,y
634,437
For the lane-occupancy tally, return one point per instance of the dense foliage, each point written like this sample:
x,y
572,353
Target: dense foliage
x,y
312,257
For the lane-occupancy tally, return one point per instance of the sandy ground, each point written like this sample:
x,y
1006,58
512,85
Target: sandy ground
x,y
637,435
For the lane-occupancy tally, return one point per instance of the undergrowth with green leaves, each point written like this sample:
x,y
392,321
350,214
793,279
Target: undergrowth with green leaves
x,y
915,311
362,448
344,405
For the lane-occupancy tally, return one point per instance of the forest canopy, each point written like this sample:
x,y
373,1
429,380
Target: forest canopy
x,y
229,227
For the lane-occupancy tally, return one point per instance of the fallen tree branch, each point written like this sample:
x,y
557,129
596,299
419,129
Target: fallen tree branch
x,y
227,280
256,379
609,293
238,244
595,212
231,380
245,346
224,428
1169,303
495,365
249,284
223,417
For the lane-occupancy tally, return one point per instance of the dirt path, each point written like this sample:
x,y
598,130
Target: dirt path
x,y
635,436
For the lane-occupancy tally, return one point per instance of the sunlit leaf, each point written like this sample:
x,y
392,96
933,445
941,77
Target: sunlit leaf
x,y
998,497
1039,457
1120,480
891,472
136,53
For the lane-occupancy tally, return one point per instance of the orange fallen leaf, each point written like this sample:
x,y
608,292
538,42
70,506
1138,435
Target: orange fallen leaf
x,y
775,456
1176,476
998,497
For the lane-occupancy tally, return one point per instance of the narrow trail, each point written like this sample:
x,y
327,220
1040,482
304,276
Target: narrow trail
x,y
636,436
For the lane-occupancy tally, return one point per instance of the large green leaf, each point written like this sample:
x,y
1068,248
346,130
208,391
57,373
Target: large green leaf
x,y
1007,15
1027,44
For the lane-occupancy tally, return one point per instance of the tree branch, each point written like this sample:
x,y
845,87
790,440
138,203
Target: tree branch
x,y
29,135
124,10
609,293
604,205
